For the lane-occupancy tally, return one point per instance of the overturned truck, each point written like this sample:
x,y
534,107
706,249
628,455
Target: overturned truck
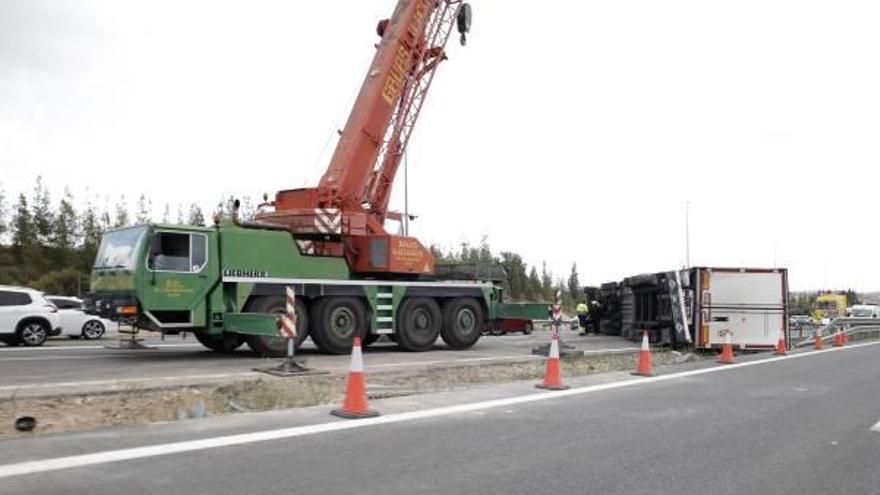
x,y
697,306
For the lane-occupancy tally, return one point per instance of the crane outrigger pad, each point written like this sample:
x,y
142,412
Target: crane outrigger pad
x,y
291,367
129,343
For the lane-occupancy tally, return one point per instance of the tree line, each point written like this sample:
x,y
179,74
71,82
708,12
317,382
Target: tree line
x,y
523,282
51,245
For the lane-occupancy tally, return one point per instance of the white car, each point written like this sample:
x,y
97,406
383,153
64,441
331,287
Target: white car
x,y
26,317
75,322
864,311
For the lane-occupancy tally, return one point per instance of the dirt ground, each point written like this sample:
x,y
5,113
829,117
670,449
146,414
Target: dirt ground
x,y
133,406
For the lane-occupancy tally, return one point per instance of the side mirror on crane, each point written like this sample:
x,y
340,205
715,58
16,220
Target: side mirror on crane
x,y
463,20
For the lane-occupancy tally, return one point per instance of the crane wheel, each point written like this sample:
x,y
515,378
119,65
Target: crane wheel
x,y
418,324
462,321
336,321
265,345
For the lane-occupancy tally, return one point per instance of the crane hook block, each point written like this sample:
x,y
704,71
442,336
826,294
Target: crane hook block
x,y
463,20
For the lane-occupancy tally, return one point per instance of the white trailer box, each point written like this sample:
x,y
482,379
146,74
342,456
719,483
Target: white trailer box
x,y
751,303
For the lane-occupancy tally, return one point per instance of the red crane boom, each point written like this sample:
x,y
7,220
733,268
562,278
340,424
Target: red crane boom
x,y
345,214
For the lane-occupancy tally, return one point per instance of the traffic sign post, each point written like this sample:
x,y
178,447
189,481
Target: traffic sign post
x,y
555,313
287,329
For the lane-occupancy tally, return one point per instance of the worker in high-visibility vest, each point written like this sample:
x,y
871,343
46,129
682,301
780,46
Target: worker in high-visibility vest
x,y
583,314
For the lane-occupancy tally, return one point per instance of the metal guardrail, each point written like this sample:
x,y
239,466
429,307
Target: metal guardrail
x,y
850,326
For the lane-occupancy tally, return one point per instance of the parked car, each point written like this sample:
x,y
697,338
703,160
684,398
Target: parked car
x,y
26,317
75,322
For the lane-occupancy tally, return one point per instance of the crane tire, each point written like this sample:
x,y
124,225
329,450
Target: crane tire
x,y
274,346
418,324
336,320
462,321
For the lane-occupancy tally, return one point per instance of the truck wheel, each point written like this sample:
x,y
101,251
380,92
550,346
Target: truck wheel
x,y
418,324
462,319
225,342
335,323
265,345
527,329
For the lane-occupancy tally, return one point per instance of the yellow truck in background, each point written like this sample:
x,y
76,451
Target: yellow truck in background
x,y
827,307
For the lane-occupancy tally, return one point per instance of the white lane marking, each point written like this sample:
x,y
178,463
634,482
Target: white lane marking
x,y
75,347
125,381
31,467
49,358
876,427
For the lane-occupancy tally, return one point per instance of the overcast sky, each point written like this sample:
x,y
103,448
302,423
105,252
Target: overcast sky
x,y
565,130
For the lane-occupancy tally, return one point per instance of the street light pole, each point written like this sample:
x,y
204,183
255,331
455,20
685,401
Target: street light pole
x,y
687,234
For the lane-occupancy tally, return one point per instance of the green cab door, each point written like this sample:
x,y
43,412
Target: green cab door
x,y
180,270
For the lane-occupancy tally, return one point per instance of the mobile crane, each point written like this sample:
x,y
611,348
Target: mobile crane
x,y
225,283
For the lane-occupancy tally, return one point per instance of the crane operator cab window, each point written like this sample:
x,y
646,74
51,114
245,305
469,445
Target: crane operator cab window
x,y
177,252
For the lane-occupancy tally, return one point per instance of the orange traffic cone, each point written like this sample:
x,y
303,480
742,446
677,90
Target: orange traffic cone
x,y
553,375
780,344
845,337
817,341
726,356
355,406
838,338
643,367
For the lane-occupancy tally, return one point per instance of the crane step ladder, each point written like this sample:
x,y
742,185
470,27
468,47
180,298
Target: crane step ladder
x,y
384,316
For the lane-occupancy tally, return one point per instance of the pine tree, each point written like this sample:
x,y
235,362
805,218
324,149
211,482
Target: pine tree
x,y
546,282
65,226
516,275
121,217
166,215
91,228
144,210
246,210
485,253
41,214
180,218
574,286
195,215
105,222
91,231
535,285
225,206
23,233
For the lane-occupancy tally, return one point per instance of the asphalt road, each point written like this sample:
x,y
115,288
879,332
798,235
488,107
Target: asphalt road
x,y
796,425
63,365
